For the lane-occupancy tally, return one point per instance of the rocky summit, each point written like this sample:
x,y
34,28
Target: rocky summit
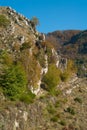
x,y
40,88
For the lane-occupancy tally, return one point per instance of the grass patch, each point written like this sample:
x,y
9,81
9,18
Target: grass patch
x,y
51,109
64,76
57,104
77,99
4,22
27,97
70,110
54,119
63,123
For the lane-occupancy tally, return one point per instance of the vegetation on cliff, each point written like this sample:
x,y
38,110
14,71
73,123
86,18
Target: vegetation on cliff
x,y
32,71
4,22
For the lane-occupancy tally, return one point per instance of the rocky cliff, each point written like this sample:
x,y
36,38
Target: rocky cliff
x,y
39,88
23,43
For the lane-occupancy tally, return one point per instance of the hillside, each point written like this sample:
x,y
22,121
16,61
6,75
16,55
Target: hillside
x,y
71,44
61,37
39,87
70,39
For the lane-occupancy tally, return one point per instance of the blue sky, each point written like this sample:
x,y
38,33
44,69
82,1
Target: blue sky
x,y
53,14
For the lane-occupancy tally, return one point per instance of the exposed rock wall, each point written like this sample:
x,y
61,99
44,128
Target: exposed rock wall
x,y
17,34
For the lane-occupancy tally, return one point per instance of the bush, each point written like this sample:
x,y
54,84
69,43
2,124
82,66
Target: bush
x,y
63,123
6,58
4,22
27,97
54,92
64,76
54,119
35,21
57,104
25,45
71,110
52,78
67,73
51,109
77,99
13,81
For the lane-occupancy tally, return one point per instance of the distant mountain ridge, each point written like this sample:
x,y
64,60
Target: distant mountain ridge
x,y
63,36
71,44
75,40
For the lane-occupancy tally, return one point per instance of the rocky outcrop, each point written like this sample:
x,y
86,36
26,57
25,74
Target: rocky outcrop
x,y
21,43
20,35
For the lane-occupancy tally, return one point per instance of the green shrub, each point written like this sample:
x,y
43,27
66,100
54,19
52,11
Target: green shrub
x,y
55,92
4,22
54,119
71,110
57,104
27,97
77,99
51,109
6,58
13,81
64,76
63,123
25,45
52,78
67,73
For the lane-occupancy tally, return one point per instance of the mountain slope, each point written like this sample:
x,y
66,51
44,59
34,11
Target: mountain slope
x,y
39,88
71,44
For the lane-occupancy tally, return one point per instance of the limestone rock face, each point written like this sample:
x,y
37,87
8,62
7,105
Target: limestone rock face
x,y
24,43
18,34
